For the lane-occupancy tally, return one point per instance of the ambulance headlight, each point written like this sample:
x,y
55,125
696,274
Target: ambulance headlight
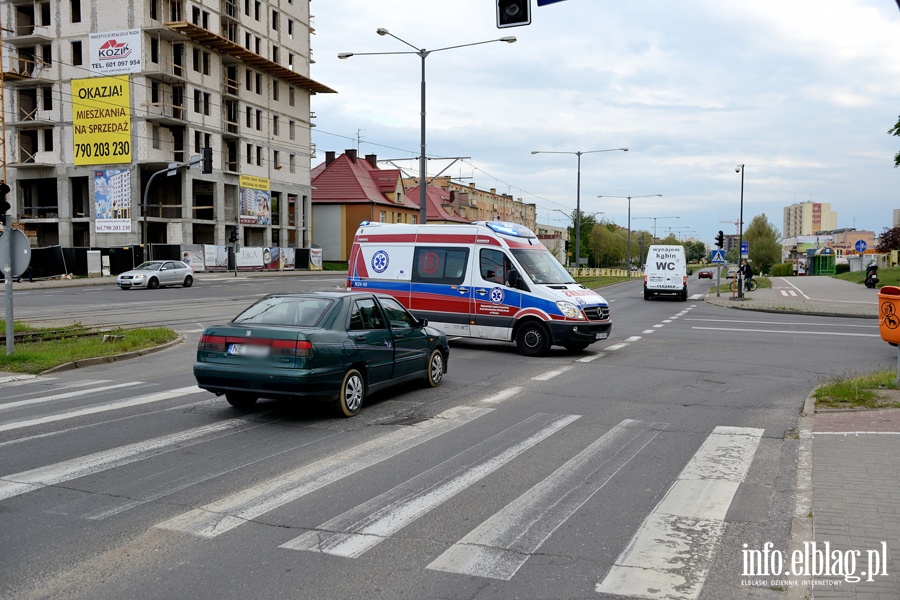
x,y
570,310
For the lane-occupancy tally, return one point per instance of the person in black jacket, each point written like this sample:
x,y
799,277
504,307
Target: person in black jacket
x,y
747,274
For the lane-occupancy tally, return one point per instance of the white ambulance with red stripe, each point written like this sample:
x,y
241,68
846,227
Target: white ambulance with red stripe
x,y
488,280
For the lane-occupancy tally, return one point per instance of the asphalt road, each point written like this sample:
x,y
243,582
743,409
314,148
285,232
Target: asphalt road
x,y
639,467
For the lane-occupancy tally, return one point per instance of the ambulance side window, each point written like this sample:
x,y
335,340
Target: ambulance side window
x,y
446,266
494,266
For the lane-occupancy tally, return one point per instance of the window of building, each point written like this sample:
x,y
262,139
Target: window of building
x,y
248,80
258,120
48,98
291,28
195,15
276,162
275,90
76,54
247,7
257,6
291,129
292,163
48,140
154,9
249,117
290,61
197,101
195,54
47,54
274,20
249,154
382,215
259,83
206,102
275,54
197,136
258,45
154,92
248,40
76,11
275,125
290,95
259,156
156,137
154,50
206,63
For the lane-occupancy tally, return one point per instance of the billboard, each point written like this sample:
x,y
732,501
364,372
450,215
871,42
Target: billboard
x,y
115,52
255,200
101,120
112,199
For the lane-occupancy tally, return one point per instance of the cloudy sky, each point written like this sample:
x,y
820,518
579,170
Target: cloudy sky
x,y
800,91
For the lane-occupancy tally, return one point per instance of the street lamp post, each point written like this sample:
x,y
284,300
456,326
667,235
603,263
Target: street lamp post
x,y
423,54
578,193
628,242
654,223
740,169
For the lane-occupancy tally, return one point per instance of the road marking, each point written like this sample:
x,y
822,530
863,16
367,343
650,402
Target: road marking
x,y
27,481
668,320
670,555
158,397
799,291
658,325
616,347
500,545
648,331
592,358
501,396
633,338
790,332
697,296
225,514
20,379
829,323
55,387
552,374
67,395
367,525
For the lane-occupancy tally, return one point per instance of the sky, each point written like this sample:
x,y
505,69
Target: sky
x,y
802,93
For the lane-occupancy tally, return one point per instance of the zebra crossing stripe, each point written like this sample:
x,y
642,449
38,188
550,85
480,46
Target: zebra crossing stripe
x,y
218,517
27,481
367,525
670,555
158,397
67,395
500,546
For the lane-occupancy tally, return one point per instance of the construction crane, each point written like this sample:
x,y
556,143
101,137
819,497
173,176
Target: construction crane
x,y
737,226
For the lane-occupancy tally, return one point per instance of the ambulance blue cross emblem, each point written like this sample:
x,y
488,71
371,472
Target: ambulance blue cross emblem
x,y
496,295
380,261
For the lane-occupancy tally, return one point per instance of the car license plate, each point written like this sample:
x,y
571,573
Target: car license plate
x,y
254,350
601,336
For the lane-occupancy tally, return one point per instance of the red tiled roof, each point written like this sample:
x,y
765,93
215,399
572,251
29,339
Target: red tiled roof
x,y
435,198
349,181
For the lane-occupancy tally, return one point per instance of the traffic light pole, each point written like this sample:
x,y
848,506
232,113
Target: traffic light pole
x,y
205,160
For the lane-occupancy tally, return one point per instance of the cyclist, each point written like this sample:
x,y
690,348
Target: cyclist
x,y
747,273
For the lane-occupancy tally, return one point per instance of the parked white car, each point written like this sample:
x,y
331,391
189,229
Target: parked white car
x,y
155,274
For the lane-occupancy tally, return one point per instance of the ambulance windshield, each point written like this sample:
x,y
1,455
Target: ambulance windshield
x,y
541,266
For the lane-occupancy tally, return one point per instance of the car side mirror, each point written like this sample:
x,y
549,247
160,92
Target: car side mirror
x,y
422,323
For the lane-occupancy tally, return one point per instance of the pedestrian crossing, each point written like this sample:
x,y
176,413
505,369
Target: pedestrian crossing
x,y
689,519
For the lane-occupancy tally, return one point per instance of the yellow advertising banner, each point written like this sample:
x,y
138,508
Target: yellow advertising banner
x,y
253,182
101,117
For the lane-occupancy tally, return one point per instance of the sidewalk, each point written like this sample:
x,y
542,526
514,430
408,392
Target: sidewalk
x,y
848,474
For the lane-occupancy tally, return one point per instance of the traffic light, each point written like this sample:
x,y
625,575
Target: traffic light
x,y
206,161
720,239
513,13
4,204
234,236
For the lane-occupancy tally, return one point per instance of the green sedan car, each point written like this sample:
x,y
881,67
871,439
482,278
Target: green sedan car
x,y
320,345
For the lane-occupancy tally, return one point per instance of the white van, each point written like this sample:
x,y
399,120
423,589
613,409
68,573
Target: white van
x,y
488,280
665,272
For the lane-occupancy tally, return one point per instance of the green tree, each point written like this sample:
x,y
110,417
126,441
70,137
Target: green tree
x,y
765,247
607,246
895,130
587,225
695,251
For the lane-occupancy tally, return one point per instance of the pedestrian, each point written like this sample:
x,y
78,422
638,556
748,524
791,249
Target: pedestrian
x,y
747,272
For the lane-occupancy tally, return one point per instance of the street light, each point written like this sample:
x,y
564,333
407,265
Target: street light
x,y
654,223
423,54
740,169
578,193
628,243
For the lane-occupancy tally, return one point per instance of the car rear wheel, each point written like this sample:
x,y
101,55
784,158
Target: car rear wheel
x,y
435,368
188,281
353,390
532,339
240,400
153,283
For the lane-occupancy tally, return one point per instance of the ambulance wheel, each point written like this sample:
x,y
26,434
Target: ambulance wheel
x,y
576,346
533,339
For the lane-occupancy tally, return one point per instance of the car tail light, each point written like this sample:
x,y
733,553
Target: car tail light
x,y
212,343
684,281
298,348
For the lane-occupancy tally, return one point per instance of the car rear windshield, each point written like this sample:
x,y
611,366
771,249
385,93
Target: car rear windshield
x,y
281,310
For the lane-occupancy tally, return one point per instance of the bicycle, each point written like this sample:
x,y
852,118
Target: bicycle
x,y
752,287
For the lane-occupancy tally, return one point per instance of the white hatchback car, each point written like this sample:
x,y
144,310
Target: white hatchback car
x,y
155,274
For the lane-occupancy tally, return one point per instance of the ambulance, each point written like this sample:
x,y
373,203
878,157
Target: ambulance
x,y
488,280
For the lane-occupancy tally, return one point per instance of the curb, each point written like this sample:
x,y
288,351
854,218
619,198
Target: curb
x,y
90,362
802,529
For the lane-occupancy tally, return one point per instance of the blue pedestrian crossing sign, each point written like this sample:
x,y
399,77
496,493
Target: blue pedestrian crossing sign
x,y
718,256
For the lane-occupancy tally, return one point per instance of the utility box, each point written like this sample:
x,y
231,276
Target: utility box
x,y
889,314
94,263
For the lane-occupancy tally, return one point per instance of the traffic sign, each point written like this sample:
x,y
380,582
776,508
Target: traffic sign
x,y
745,249
718,256
21,252
860,246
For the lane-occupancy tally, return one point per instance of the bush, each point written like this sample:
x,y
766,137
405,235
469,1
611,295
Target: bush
x,y
841,268
783,270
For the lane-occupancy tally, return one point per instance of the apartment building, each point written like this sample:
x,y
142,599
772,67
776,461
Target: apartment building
x,y
474,204
106,103
806,218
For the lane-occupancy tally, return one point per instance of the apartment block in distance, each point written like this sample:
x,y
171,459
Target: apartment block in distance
x,y
102,98
806,218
